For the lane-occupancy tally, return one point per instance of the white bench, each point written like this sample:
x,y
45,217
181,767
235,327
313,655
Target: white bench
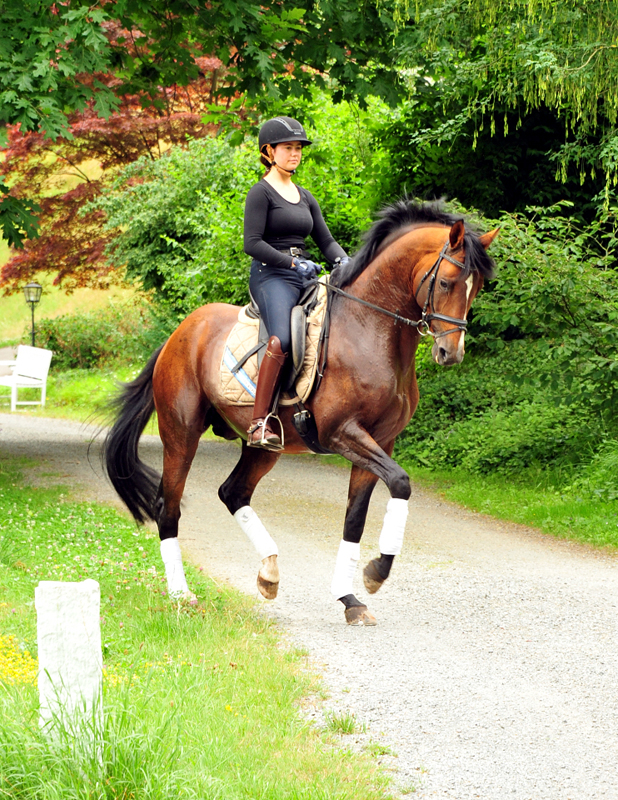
x,y
30,370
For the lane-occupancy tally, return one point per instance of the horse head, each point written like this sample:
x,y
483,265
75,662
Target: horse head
x,y
445,286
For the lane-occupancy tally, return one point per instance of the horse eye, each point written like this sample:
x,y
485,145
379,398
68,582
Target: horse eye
x,y
444,284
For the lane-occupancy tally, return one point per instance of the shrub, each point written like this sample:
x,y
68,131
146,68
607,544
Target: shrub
x,y
179,220
121,332
598,477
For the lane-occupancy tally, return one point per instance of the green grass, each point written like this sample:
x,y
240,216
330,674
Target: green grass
x,y
200,701
344,723
15,320
534,498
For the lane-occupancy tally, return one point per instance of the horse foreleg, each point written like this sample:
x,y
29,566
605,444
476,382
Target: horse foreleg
x,y
364,452
359,494
236,494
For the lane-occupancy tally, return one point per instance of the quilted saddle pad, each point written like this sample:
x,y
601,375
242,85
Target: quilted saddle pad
x,y
239,387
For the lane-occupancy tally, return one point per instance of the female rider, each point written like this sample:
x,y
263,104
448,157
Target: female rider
x,y
279,215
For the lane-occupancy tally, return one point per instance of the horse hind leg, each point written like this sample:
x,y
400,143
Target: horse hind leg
x,y
180,441
236,493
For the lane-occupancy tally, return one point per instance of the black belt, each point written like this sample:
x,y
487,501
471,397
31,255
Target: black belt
x,y
290,251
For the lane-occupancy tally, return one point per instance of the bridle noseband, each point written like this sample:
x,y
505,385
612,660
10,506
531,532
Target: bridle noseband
x,y
422,325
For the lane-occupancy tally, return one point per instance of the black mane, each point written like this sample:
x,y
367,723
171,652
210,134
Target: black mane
x,y
398,218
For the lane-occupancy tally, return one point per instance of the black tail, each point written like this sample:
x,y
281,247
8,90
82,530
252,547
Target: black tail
x,y
137,484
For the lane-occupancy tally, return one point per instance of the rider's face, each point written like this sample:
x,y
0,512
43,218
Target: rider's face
x,y
288,154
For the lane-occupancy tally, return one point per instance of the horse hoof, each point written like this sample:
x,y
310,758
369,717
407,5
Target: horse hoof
x,y
268,577
267,589
359,615
372,578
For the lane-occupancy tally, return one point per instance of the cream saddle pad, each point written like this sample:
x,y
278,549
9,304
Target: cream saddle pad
x,y
238,387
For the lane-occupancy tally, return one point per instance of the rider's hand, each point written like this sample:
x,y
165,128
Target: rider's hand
x,y
308,269
342,261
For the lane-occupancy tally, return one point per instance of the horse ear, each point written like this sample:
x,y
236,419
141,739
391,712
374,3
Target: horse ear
x,y
456,234
487,238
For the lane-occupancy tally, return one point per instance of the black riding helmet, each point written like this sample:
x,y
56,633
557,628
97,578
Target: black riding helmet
x,y
282,129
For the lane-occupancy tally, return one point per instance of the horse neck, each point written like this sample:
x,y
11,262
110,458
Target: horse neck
x,y
389,281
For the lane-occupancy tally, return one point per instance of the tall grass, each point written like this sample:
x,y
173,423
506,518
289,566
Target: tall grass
x,y
542,499
199,701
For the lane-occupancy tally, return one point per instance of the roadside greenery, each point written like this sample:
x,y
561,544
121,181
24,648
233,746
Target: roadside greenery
x,y
179,220
121,332
199,701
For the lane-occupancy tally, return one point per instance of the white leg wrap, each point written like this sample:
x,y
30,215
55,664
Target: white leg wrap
x,y
391,537
345,568
174,571
256,532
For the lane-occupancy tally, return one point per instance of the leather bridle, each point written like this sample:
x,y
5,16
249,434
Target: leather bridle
x,y
426,319
423,325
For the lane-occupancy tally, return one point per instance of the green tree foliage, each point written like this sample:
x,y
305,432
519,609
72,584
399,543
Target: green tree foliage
x,y
180,219
487,65
490,172
53,56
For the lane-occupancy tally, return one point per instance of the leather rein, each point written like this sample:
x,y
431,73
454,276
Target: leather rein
x,y
424,323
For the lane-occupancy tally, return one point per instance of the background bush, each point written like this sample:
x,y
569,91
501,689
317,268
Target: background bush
x,y
179,220
125,332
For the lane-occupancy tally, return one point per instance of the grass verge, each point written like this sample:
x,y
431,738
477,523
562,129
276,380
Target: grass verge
x,y
200,702
533,499
78,394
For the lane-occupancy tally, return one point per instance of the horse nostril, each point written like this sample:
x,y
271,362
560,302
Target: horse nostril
x,y
442,353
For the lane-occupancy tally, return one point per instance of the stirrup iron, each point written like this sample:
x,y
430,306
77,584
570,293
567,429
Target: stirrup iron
x,y
264,443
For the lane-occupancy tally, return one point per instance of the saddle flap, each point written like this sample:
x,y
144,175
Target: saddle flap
x,y
298,323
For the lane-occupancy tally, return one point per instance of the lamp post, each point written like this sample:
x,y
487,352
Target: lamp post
x,y
32,292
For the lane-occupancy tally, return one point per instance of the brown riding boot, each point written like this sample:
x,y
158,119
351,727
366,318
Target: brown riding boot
x,y
260,433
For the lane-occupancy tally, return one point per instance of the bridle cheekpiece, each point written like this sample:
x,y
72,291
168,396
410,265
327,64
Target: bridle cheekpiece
x,y
426,319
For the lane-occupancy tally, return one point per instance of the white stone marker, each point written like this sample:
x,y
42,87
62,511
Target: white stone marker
x,y
70,658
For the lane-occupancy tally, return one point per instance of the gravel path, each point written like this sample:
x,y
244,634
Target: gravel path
x,y
493,672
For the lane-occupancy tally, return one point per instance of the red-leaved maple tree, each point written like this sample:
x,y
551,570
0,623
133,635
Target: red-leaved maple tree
x,y
64,175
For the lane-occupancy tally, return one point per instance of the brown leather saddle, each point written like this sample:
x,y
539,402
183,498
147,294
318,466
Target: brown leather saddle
x,y
307,302
303,419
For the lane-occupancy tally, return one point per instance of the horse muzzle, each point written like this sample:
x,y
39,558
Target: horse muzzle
x,y
449,350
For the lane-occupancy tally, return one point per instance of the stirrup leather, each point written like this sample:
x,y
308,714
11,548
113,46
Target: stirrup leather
x,y
263,442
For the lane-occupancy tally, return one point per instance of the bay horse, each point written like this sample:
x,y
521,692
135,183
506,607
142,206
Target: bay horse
x,y
417,273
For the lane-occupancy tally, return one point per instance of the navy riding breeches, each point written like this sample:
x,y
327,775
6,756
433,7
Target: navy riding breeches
x,y
276,291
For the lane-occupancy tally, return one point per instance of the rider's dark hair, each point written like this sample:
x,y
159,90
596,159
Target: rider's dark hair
x,y
265,161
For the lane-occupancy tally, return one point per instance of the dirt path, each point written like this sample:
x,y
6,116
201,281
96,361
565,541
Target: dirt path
x,y
493,672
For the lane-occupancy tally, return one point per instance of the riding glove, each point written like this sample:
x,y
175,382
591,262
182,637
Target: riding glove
x,y
308,269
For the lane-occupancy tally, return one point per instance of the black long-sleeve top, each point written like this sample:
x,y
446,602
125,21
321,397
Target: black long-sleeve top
x,y
272,223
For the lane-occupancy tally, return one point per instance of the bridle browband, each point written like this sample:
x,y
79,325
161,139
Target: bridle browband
x,y
423,325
